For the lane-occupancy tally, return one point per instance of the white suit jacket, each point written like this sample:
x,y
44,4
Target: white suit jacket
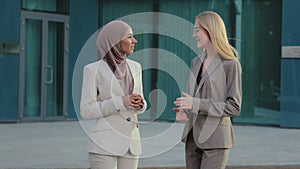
x,y
116,128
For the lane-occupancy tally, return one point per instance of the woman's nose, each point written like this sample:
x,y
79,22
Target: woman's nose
x,y
193,35
134,40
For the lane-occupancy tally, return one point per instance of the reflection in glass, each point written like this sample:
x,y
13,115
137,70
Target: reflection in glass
x,y
54,69
32,73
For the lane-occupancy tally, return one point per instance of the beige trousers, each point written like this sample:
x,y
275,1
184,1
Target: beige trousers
x,y
99,161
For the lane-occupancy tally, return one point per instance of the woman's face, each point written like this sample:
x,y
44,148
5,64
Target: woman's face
x,y
200,35
128,43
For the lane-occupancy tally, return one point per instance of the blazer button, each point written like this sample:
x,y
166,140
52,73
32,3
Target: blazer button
x,y
118,110
128,119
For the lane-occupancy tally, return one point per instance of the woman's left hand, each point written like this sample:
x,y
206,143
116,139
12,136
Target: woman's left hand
x,y
185,102
180,115
136,101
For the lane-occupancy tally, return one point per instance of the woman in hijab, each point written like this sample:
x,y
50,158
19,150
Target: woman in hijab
x,y
112,94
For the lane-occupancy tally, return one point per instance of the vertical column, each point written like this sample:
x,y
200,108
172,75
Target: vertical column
x,y
9,59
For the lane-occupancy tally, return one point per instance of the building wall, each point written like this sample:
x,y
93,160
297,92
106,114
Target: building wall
x,y
87,16
290,65
84,19
9,63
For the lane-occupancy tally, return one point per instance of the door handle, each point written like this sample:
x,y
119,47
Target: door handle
x,y
49,67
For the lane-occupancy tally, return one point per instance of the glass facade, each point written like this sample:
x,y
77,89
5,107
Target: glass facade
x,y
260,49
255,28
251,29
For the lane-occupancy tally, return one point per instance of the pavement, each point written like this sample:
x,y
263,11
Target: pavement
x,y
63,145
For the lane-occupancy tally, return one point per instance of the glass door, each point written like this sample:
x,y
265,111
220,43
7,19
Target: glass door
x,y
43,66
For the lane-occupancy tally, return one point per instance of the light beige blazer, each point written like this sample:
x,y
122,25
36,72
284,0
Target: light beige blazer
x,y
218,97
116,129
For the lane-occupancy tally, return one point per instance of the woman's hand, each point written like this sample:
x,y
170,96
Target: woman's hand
x,y
181,115
134,101
185,102
137,101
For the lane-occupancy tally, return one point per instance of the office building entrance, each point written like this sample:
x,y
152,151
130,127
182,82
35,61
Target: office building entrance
x,y
43,66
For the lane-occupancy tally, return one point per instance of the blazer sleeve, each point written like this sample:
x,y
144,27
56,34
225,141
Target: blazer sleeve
x,y
232,104
90,107
140,81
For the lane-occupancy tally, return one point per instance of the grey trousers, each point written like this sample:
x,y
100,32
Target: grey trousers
x,y
197,158
99,161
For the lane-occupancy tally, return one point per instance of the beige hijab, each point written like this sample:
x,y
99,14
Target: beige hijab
x,y
109,46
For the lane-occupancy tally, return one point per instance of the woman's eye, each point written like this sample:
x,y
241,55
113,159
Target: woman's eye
x,y
196,30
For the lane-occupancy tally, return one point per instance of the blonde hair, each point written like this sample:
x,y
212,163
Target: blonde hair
x,y
215,27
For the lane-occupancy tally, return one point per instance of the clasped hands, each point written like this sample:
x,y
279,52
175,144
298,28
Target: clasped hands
x,y
184,102
133,101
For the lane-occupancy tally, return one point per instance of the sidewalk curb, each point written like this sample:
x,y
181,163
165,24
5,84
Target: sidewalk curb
x,y
227,167
237,167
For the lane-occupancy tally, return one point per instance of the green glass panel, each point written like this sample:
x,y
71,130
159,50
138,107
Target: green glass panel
x,y
54,70
260,58
33,64
186,11
57,6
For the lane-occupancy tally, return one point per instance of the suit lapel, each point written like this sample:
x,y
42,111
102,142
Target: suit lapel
x,y
209,71
114,82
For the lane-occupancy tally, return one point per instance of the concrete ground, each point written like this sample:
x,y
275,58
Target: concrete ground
x,y
64,145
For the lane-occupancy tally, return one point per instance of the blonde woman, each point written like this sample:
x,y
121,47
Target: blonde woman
x,y
112,94
214,94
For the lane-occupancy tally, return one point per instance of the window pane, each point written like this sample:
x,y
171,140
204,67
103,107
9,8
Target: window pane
x,y
32,73
260,58
55,67
56,6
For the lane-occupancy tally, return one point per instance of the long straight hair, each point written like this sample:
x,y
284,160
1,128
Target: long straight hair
x,y
215,27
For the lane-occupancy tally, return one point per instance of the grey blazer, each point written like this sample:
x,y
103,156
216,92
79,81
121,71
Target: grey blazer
x,y
218,97
116,128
